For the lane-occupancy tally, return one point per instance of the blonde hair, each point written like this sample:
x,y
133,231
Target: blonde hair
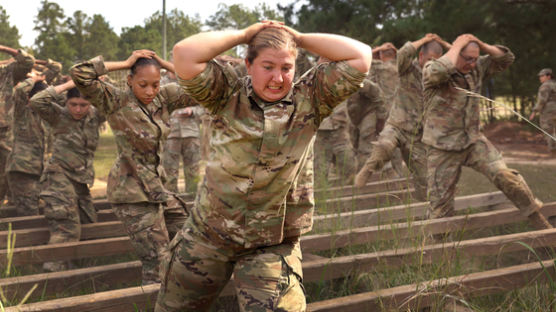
x,y
275,38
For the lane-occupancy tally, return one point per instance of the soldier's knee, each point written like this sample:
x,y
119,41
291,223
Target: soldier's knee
x,y
508,178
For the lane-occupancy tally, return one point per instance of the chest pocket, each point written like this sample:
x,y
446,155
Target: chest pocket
x,y
276,137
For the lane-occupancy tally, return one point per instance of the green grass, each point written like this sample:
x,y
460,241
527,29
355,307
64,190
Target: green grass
x,y
105,154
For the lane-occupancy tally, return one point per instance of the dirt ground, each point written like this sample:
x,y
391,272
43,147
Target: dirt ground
x,y
519,143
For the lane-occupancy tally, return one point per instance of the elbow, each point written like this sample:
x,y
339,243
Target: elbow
x,y
363,60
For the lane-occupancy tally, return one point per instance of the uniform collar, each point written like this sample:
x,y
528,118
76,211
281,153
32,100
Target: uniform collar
x,y
288,99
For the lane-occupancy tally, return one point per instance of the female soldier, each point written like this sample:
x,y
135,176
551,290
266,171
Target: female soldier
x,y
69,172
262,125
138,117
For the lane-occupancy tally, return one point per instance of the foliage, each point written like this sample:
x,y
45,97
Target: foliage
x,y
9,35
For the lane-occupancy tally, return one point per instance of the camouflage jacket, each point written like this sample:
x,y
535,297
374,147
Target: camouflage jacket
x,y
137,174
385,74
182,126
10,74
368,100
407,111
28,146
546,99
258,150
451,116
75,141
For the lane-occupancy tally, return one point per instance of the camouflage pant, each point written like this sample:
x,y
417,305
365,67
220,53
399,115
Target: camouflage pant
x,y
413,153
68,204
25,190
444,170
4,153
196,269
366,134
548,124
332,147
188,151
150,227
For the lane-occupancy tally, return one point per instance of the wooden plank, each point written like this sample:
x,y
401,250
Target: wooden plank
x,y
422,295
40,236
387,214
67,251
140,298
338,239
338,267
367,201
414,296
49,284
40,221
373,187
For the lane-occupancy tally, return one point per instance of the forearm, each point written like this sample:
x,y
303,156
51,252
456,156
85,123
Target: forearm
x,y
192,54
64,87
165,64
418,43
8,50
492,50
118,65
338,48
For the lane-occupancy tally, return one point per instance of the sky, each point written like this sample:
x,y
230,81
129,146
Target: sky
x,y
119,13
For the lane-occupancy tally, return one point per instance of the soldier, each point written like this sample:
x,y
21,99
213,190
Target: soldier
x,y
451,128
69,172
546,107
367,112
25,162
332,147
262,126
183,144
11,73
138,117
403,127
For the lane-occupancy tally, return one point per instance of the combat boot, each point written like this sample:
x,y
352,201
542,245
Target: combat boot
x,y
361,178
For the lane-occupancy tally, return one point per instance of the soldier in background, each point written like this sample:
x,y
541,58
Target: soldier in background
x,y
404,128
69,172
451,128
546,107
25,162
11,72
367,113
332,147
183,145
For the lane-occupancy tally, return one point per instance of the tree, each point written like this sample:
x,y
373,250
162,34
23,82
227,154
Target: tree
x,y
237,16
77,26
9,35
101,39
54,39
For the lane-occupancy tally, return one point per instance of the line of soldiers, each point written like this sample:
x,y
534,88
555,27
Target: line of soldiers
x,y
410,108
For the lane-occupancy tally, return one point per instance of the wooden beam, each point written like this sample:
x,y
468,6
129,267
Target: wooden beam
x,y
385,215
40,236
422,295
40,221
338,267
367,201
373,187
67,251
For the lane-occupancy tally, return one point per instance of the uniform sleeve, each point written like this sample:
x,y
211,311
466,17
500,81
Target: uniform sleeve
x,y
53,70
542,98
377,98
175,97
23,64
45,105
437,72
491,65
213,87
86,77
331,84
21,92
405,58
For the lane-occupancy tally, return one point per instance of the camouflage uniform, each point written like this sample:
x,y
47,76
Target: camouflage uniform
x,y
365,108
256,198
25,162
10,74
69,171
183,144
451,131
332,146
546,108
149,212
385,74
404,125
